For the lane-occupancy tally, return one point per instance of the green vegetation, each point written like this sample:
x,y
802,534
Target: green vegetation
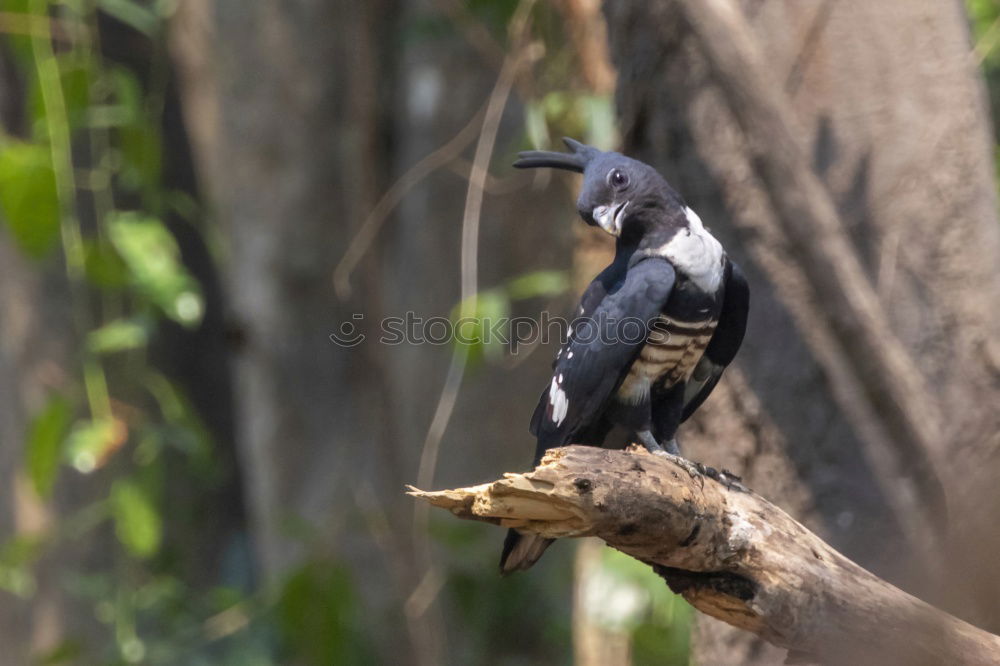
x,y
81,193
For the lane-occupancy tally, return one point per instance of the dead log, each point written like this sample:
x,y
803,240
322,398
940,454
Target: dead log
x,y
729,552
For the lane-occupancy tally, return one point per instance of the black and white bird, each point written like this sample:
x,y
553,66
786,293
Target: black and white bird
x,y
654,330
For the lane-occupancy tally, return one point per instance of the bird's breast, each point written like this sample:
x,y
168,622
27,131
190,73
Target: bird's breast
x,y
671,352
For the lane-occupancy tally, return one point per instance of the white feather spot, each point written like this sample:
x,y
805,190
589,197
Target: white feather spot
x,y
569,355
560,378
558,401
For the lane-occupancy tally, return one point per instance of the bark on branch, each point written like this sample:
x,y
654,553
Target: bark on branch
x,y
729,552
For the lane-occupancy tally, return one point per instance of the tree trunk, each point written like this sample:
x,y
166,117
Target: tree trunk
x,y
302,115
890,110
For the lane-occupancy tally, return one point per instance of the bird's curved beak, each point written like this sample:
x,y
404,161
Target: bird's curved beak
x,y
611,217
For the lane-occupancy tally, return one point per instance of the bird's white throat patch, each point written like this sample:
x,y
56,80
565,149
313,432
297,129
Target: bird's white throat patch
x,y
694,252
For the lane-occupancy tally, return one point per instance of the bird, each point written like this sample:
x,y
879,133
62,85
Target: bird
x,y
654,330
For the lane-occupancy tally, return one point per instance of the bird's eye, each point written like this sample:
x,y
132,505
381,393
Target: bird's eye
x,y
617,179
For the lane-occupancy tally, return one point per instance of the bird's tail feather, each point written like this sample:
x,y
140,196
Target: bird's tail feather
x,y
521,551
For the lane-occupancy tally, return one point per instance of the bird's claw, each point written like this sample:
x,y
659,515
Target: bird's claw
x,y
731,481
697,470
693,469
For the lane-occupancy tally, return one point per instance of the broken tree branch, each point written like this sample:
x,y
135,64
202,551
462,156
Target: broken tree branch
x,y
729,552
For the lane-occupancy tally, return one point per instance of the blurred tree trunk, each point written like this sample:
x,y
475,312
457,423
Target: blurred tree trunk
x,y
301,114
197,360
281,99
290,159
892,111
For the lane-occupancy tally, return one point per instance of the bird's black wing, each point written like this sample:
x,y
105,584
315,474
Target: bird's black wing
x,y
608,280
725,341
602,347
520,551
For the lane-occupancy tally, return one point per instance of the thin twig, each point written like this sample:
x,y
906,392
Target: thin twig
x,y
362,240
427,589
493,186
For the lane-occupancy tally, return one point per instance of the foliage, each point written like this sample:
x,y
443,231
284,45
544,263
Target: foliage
x,y
28,196
320,616
984,16
535,608
45,437
477,324
82,192
631,598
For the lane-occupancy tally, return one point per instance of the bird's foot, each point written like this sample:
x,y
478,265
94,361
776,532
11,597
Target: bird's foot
x,y
697,470
693,469
729,480
672,451
647,440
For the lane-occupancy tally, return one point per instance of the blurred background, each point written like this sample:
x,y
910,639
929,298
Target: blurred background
x,y
196,194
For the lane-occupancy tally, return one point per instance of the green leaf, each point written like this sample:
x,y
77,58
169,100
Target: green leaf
x,y
320,616
119,335
29,199
536,127
153,260
137,137
602,129
16,559
90,443
474,320
573,113
186,431
137,523
539,283
142,156
103,266
45,438
122,100
75,75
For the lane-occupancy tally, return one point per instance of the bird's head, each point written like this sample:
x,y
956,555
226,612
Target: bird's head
x,y
621,195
